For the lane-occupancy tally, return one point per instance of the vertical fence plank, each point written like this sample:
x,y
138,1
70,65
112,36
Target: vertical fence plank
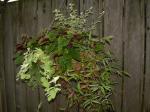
x,y
113,27
147,56
99,9
2,97
44,14
61,5
44,21
2,77
21,93
10,35
1,57
28,25
18,86
1,100
88,4
134,55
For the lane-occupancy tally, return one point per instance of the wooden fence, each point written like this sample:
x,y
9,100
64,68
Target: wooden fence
x,y
128,21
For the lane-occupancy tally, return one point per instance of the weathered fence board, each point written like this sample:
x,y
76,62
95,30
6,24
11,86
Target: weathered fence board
x,y
9,45
113,25
20,87
2,78
146,104
128,21
29,26
44,13
1,100
134,55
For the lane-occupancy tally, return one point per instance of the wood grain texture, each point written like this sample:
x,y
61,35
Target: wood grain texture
x,y
146,105
3,105
44,20
113,24
9,45
1,101
2,97
21,89
28,20
97,9
134,55
100,26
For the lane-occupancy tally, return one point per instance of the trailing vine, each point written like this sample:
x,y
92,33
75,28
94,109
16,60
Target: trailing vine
x,y
70,60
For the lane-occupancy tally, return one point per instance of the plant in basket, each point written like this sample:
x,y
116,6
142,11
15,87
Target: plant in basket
x,y
70,60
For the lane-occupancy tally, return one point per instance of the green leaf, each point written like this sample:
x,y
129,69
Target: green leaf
x,y
25,76
45,82
32,43
74,53
65,62
52,92
51,47
99,47
54,80
123,73
102,90
79,88
62,42
52,36
107,39
108,88
19,58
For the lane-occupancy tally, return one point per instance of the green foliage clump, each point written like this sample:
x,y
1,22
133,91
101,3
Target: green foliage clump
x,y
70,60
37,69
